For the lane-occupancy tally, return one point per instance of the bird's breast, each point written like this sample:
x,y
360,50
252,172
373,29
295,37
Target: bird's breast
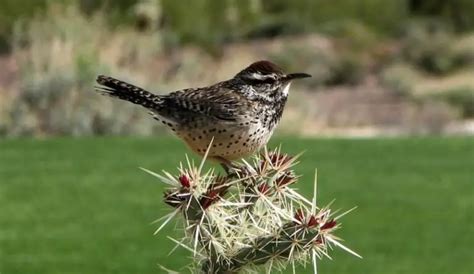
x,y
229,142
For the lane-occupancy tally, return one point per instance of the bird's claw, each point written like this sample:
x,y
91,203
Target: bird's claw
x,y
236,171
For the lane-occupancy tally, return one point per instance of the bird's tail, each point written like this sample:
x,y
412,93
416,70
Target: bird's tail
x,y
122,90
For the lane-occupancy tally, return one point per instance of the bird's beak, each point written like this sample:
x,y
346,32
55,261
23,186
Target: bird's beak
x,y
297,75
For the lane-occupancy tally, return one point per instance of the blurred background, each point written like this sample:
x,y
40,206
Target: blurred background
x,y
399,67
72,199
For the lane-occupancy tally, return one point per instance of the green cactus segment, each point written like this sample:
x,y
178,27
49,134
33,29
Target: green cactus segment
x,y
192,211
292,240
200,228
235,223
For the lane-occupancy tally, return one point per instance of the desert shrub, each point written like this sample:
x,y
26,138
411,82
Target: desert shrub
x,y
463,50
351,68
454,90
320,61
4,107
427,44
326,67
209,23
457,13
430,117
62,102
59,56
356,44
384,15
331,62
459,97
400,78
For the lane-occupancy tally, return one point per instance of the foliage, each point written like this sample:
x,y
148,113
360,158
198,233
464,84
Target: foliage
x,y
456,90
344,60
463,50
461,97
428,45
209,22
457,13
400,78
59,57
57,53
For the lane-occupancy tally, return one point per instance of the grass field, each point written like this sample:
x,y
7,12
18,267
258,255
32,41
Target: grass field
x,y
83,206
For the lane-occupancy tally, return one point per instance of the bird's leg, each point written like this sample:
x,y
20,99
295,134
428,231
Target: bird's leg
x,y
232,169
227,165
226,168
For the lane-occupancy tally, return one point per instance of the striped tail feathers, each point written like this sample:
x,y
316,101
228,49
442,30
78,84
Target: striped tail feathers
x,y
128,92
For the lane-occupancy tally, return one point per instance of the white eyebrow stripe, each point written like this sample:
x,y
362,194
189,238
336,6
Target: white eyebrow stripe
x,y
259,76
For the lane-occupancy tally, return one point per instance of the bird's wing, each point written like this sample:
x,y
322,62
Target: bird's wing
x,y
216,101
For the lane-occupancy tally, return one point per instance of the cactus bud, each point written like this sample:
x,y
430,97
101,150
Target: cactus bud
x,y
184,181
329,224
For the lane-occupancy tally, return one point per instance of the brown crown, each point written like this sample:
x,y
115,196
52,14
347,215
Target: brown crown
x,y
264,66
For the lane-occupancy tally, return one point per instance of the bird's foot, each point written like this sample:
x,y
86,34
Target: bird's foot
x,y
237,171
234,170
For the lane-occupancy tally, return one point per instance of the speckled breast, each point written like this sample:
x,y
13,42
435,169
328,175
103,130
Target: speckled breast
x,y
229,141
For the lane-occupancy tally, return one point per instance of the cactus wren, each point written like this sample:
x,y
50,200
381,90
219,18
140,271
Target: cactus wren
x,y
239,114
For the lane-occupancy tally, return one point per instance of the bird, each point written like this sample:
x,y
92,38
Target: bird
x,y
234,118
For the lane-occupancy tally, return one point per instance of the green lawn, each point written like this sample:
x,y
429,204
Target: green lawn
x,y
83,206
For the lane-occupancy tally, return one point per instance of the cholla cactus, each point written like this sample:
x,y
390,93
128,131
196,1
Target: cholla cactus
x,y
249,219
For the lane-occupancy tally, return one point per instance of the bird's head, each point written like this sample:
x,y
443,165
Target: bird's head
x,y
268,79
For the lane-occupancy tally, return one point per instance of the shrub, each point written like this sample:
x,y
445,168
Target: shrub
x,y
427,44
330,62
320,60
463,50
59,56
400,78
460,97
